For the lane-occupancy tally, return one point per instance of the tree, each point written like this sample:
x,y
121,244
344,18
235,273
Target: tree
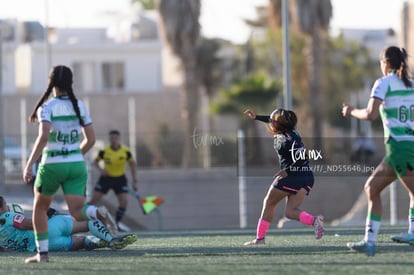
x,y
349,69
208,64
347,66
146,4
181,30
254,91
312,18
209,74
257,92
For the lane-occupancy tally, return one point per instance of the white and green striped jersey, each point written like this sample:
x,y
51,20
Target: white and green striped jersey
x,y
66,132
397,108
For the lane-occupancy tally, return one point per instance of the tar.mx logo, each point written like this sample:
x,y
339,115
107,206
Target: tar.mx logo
x,y
301,153
206,140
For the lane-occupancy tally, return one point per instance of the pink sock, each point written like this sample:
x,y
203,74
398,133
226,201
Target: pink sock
x,y
262,228
306,218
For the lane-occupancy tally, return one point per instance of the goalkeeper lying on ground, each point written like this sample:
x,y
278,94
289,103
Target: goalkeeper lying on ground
x,y
16,233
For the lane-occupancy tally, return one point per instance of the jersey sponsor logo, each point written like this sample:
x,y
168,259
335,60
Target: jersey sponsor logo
x,y
18,219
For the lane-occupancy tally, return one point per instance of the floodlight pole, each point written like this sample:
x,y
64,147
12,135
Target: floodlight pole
x,y
287,94
48,45
241,137
132,125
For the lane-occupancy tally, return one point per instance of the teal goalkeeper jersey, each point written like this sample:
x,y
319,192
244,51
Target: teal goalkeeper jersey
x,y
397,108
13,238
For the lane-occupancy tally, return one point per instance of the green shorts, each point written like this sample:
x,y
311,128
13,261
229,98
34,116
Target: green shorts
x,y
400,156
71,176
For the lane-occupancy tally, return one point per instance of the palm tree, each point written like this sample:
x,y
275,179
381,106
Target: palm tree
x,y
312,18
209,74
181,30
257,92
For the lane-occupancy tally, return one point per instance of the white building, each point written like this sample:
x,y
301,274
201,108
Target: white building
x,y
407,25
126,58
373,39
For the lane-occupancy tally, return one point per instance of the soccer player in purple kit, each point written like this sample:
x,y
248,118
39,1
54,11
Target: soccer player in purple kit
x,y
294,180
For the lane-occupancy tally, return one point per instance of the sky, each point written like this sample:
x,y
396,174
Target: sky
x,y
219,18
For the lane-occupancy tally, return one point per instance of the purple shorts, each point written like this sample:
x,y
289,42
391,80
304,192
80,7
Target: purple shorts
x,y
294,182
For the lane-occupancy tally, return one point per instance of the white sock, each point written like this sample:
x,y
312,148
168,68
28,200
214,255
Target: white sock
x,y
411,221
411,225
371,230
42,245
91,212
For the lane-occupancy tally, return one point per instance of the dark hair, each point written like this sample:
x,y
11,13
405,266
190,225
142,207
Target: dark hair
x,y
397,59
286,121
60,77
114,132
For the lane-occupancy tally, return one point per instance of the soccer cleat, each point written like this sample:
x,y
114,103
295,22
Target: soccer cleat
x,y
318,225
92,242
106,218
404,238
363,247
37,259
122,241
255,242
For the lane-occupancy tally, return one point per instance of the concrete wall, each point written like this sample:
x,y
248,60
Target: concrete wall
x,y
209,198
200,199
108,111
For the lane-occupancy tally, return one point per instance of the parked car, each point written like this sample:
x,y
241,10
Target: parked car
x,y
12,155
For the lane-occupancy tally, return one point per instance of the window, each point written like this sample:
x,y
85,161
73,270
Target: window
x,y
113,76
84,76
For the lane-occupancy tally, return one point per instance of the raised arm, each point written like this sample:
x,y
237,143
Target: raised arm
x,y
252,115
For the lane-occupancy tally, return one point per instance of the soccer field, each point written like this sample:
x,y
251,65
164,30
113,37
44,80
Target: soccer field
x,y
288,251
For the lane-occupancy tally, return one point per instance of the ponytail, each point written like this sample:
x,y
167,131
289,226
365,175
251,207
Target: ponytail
x,y
62,78
397,60
33,116
292,119
75,105
403,71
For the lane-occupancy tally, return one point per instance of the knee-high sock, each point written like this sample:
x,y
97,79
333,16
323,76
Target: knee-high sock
x,y
411,221
42,242
372,227
306,218
262,228
89,212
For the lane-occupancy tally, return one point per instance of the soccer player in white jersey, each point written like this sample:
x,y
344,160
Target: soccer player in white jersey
x,y
65,134
392,97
